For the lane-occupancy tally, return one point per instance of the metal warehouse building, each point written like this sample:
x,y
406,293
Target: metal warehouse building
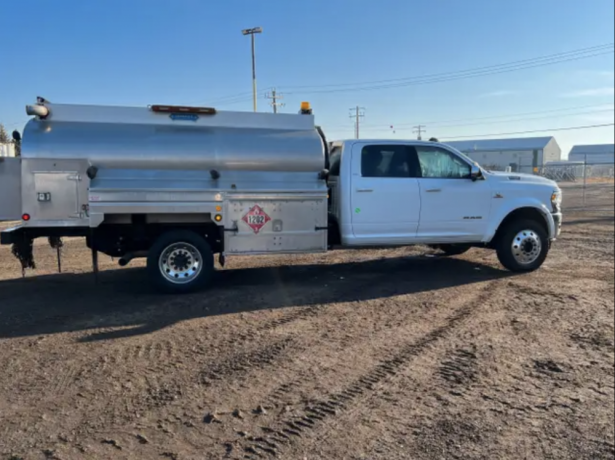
x,y
595,154
7,150
521,155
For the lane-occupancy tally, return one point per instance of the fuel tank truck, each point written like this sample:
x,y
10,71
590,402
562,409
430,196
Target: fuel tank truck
x,y
177,185
183,182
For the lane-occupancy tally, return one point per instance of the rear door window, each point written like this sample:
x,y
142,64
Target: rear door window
x,y
388,161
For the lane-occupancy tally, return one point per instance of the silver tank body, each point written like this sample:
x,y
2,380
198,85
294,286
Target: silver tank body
x,y
136,138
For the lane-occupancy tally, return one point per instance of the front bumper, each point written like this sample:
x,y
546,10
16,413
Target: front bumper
x,y
558,219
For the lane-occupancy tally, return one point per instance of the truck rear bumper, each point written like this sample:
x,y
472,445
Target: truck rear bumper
x,y
9,236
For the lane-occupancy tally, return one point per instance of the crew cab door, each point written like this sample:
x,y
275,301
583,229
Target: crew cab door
x,y
385,195
454,208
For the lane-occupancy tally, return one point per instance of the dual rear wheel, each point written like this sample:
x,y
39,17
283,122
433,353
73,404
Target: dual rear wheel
x,y
180,261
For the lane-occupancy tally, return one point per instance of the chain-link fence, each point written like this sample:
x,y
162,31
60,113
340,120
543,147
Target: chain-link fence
x,y
587,186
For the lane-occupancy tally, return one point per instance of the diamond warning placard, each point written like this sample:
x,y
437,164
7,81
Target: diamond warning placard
x,y
256,218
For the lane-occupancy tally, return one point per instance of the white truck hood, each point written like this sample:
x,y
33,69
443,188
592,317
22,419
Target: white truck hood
x,y
522,178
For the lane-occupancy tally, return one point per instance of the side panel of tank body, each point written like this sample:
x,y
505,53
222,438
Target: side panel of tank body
x,y
164,147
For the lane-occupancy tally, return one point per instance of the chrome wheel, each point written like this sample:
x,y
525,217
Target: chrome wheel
x,y
181,263
527,247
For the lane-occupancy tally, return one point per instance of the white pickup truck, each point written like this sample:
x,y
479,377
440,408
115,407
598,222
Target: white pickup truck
x,y
177,185
411,192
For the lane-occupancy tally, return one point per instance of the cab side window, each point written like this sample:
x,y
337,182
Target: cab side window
x,y
388,161
437,163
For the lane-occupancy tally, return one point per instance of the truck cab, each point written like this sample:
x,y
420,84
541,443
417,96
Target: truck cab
x,y
389,192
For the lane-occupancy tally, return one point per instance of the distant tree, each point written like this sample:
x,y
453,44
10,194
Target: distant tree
x,y
4,137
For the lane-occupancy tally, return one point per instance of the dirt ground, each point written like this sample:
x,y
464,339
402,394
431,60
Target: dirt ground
x,y
352,355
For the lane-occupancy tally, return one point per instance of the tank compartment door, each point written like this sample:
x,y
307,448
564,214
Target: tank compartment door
x,y
285,225
56,195
10,189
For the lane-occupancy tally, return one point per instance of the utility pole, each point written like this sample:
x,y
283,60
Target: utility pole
x,y
420,129
252,33
275,97
357,113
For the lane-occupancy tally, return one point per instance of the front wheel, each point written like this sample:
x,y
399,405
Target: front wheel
x,y
180,261
524,246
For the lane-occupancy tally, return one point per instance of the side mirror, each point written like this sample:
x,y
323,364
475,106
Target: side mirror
x,y
476,173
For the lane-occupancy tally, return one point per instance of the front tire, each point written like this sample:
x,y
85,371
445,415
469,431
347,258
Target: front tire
x,y
524,246
179,262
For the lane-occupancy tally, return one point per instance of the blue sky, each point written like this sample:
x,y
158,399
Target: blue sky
x,y
140,52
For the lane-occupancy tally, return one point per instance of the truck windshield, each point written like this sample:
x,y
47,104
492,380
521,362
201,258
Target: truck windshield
x,y
470,159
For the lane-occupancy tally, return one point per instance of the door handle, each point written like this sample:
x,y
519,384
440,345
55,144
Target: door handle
x,y
365,190
434,190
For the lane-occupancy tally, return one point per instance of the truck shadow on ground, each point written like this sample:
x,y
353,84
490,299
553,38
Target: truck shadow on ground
x,y
123,299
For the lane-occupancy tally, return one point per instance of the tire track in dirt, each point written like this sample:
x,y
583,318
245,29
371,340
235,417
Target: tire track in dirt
x,y
242,363
237,363
153,352
285,432
152,392
459,368
140,355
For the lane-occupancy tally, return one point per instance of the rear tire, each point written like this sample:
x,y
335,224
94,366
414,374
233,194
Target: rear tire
x,y
179,262
453,249
524,246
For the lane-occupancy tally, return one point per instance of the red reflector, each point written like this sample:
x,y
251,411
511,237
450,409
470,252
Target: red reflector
x,y
26,217
183,109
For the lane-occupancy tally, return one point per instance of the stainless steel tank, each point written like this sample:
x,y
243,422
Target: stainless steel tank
x,y
137,138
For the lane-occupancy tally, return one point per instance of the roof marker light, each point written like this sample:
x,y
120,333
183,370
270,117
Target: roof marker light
x,y
183,109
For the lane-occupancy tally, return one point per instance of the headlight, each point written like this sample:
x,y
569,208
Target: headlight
x,y
556,200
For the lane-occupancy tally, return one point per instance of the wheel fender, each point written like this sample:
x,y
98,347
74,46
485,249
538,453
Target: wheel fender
x,y
500,216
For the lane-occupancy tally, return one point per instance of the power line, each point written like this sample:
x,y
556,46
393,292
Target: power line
x,y
515,119
444,80
357,113
396,80
419,130
508,120
233,96
500,118
469,73
275,97
570,128
582,53
227,100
